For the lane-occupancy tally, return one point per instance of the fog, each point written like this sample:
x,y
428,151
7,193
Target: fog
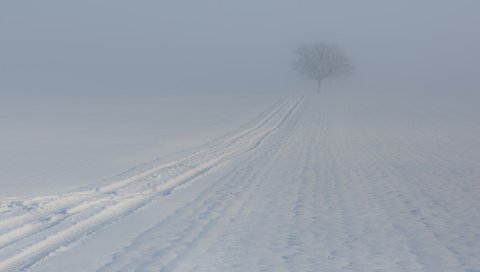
x,y
90,88
176,135
153,47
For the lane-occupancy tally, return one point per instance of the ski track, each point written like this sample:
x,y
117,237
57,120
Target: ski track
x,y
310,186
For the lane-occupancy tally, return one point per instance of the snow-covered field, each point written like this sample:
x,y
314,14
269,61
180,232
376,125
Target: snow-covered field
x,y
346,181
52,144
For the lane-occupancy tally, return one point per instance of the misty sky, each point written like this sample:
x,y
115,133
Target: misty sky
x,y
134,47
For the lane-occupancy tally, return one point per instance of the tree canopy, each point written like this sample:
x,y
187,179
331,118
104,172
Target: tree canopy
x,y
319,61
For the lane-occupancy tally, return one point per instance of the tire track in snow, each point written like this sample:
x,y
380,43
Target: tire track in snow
x,y
230,244
127,198
42,206
164,246
260,166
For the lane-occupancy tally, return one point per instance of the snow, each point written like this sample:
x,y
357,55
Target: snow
x,y
54,144
341,181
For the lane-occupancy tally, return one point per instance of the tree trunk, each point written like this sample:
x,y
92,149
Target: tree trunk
x,y
319,85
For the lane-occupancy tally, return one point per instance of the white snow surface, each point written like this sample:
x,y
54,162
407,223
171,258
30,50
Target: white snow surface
x,y
328,182
53,144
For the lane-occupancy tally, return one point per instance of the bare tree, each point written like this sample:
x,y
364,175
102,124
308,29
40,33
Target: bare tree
x,y
319,61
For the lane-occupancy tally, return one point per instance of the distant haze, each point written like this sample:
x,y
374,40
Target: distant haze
x,y
145,47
